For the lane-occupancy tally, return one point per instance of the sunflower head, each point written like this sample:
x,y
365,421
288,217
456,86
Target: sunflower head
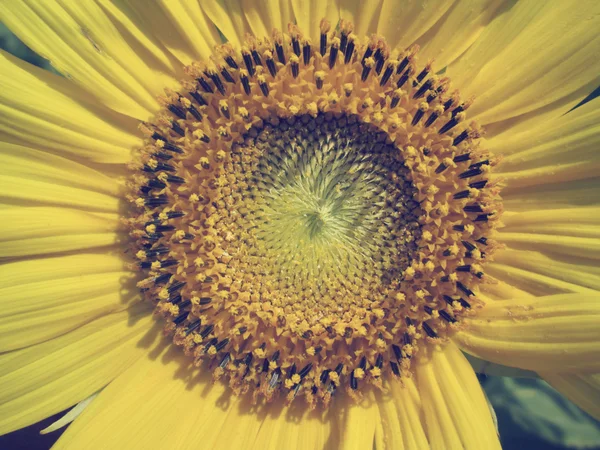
x,y
312,216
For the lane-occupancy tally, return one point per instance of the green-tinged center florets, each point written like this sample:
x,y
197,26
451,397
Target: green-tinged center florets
x,y
324,205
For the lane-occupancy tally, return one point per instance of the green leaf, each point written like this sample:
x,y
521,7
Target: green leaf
x,y
535,408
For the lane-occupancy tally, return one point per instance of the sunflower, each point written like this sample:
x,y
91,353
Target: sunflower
x,y
272,225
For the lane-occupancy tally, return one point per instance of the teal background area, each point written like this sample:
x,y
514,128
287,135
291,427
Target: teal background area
x,y
531,415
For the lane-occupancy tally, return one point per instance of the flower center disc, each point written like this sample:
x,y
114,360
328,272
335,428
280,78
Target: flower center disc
x,y
319,210
311,216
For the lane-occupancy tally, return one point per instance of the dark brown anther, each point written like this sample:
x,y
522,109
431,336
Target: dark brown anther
x,y
323,44
333,52
179,112
226,75
423,89
231,62
470,173
271,66
461,137
448,126
349,51
447,317
365,73
280,52
421,75
245,83
205,86
193,327
431,119
386,75
177,129
306,53
198,98
218,83
464,289
295,68
256,58
429,330
403,79
264,87
417,117
248,62
462,158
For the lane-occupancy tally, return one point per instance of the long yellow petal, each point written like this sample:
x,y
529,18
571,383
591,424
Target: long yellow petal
x,y
264,16
15,189
531,282
294,428
456,412
554,151
577,193
47,112
575,270
183,405
364,15
45,298
456,31
117,65
44,230
583,390
359,423
193,25
567,245
403,23
551,333
39,381
43,166
402,419
229,18
535,54
308,14
150,20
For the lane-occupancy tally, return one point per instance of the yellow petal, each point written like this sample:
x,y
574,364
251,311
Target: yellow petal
x,y
554,151
229,18
583,390
456,411
359,422
309,13
44,298
500,290
72,126
44,379
38,165
294,428
193,25
402,416
575,271
43,230
457,30
169,406
116,63
530,282
364,15
578,193
567,245
265,15
535,54
402,23
552,333
32,177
